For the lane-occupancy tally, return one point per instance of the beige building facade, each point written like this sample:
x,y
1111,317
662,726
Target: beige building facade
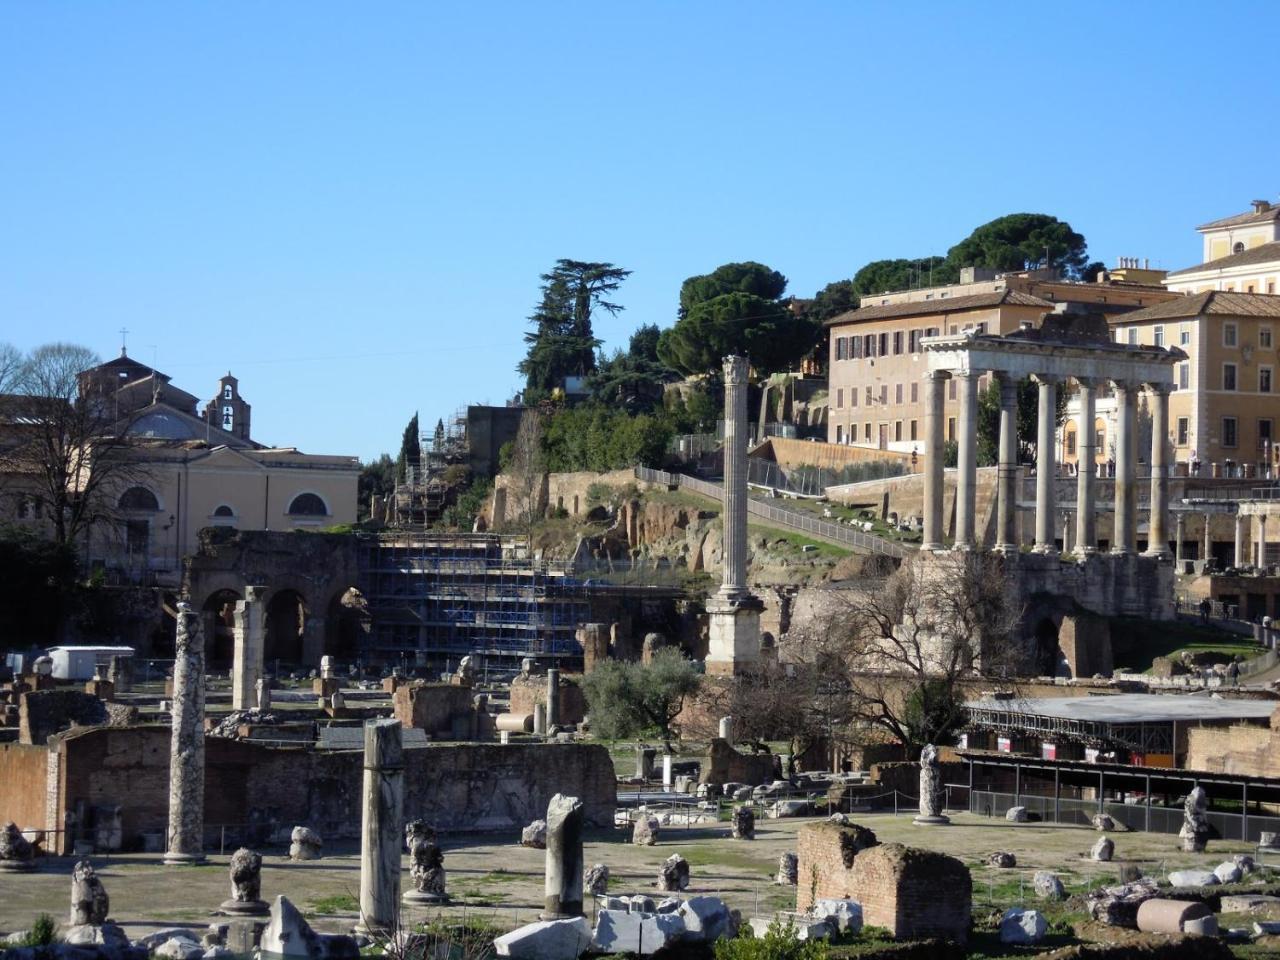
x,y
1241,254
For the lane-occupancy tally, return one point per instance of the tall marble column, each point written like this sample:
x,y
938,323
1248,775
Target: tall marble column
x,y
553,697
1180,534
966,459
1046,469
1158,524
186,747
246,665
380,837
1125,539
563,887
1239,558
934,423
1262,540
1208,536
1086,461
1007,469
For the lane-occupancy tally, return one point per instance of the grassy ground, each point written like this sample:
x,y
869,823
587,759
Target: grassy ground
x,y
1135,643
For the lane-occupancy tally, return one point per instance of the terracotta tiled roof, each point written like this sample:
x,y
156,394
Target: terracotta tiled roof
x,y
1263,253
920,308
1240,219
1210,303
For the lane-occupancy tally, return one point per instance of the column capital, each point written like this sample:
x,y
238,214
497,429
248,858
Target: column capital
x,y
936,375
967,374
1087,383
735,369
1123,386
1045,378
1160,389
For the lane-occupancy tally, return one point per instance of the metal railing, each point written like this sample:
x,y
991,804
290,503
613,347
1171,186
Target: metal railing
x,y
814,527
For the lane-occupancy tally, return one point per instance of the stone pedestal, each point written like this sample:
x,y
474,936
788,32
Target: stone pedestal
x,y
186,748
380,838
733,634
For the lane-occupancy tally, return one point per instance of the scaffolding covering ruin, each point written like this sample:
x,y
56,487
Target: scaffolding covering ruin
x,y
435,596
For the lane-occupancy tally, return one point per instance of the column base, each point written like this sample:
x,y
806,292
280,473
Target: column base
x,y
1082,552
183,859
1045,551
734,635
933,547
965,546
938,821
245,908
419,898
1158,554
1006,549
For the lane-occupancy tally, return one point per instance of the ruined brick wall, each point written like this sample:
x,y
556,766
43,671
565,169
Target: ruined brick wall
x,y
1243,749
726,765
433,707
1085,640
42,713
526,691
457,786
825,854
913,893
23,779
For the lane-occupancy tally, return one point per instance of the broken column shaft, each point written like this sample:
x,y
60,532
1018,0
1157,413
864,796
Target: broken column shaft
x,y
186,747
564,858
380,836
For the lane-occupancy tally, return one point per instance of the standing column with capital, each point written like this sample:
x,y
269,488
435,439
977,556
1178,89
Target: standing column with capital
x,y
246,662
1125,539
1046,470
1086,462
186,746
734,613
933,472
1007,468
966,459
1239,556
1158,522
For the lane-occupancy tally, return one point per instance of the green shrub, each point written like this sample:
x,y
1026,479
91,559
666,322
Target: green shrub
x,y
43,932
779,943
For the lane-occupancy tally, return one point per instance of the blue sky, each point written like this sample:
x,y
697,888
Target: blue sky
x,y
349,205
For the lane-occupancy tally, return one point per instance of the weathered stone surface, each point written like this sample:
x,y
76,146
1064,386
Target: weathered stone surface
x,y
1103,849
1228,873
426,863
596,880
787,808
381,825
845,916
1248,902
534,835
16,852
1169,916
287,934
1118,906
706,919
246,885
645,831
546,940
107,935
1023,926
673,875
788,870
1195,822
563,887
931,795
1244,862
668,905
1201,926
1103,822
305,844
1193,878
802,928
635,933
186,748
1048,886
1016,815
157,937
743,825
89,900
175,949
1002,859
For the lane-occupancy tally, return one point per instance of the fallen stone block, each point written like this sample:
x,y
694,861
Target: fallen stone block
x,y
669,905
1193,878
845,916
787,808
175,949
1244,862
1228,873
1002,859
534,835
1047,886
1023,926
1201,926
596,880
546,940
1266,928
645,831
1016,815
673,875
802,927
305,844
1103,850
1246,902
1169,916
153,940
788,870
635,933
706,919
287,934
1118,906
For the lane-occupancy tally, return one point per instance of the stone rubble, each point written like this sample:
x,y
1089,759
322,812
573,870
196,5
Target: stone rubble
x,y
1195,821
1002,859
743,825
16,851
844,916
546,940
788,870
1118,906
89,901
673,875
534,835
596,880
1022,926
645,831
287,934
1016,815
305,844
1048,886
1193,878
1103,850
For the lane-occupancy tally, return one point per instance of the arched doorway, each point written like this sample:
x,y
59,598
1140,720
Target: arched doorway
x,y
220,644
286,619
1046,652
346,625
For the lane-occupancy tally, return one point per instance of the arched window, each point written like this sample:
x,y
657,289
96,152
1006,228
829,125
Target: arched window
x,y
308,505
224,511
1238,247
139,499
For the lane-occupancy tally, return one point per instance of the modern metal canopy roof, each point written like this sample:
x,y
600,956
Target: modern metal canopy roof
x,y
1131,708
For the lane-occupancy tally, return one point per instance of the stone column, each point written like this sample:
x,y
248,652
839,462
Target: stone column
x,y
1066,531
734,581
246,667
1180,534
540,719
1125,540
186,748
967,459
553,697
1158,522
934,424
1262,540
1007,471
726,730
1046,471
1208,536
563,888
1239,558
1086,453
381,827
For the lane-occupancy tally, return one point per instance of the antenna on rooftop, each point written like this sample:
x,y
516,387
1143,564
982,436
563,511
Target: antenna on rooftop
x,y
124,341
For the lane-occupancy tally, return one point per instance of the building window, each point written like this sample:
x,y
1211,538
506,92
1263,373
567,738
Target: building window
x,y
982,327
139,500
1271,286
1264,379
1237,247
951,429
1264,433
897,431
882,348
839,433
1184,430
931,332
840,398
308,505
897,393
1229,335
913,341
1133,336
853,397
1184,376
28,508
1071,444
913,431
1228,376
1229,432
870,399
915,392
1158,336
866,432
856,352
897,342
1249,288
1264,337
839,345
884,393
1184,336
951,389
869,345
224,511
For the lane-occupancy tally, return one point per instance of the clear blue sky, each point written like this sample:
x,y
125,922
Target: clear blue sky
x,y
349,205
